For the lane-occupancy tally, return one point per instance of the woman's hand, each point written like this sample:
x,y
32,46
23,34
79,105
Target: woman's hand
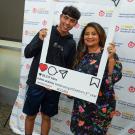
x,y
111,61
42,33
111,50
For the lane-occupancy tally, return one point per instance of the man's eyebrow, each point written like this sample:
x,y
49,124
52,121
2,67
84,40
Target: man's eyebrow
x,y
70,17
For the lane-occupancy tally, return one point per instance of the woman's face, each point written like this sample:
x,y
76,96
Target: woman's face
x,y
91,37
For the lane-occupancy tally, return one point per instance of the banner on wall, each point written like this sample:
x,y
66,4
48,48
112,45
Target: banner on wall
x,y
36,17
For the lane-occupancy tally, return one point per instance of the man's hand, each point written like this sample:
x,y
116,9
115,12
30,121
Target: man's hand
x,y
42,33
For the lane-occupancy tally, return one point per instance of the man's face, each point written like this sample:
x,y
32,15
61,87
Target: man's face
x,y
66,23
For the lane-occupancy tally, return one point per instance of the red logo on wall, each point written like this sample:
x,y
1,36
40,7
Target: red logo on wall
x,y
131,131
130,0
131,89
131,44
44,22
101,13
117,28
34,10
28,66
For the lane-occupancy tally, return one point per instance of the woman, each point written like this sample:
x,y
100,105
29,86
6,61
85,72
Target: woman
x,y
88,118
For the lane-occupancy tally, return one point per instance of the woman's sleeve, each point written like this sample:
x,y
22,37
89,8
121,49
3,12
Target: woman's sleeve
x,y
117,70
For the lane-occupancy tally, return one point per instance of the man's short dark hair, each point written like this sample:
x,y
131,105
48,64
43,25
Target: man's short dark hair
x,y
72,12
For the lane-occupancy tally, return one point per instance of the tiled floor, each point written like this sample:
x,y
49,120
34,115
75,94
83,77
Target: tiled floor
x,y
4,113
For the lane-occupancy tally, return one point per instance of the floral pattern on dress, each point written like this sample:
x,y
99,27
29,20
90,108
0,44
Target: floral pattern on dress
x,y
94,119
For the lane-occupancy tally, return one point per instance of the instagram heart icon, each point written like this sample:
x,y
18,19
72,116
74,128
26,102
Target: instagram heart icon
x,y
43,67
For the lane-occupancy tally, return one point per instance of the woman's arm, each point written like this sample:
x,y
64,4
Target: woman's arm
x,y
114,65
117,71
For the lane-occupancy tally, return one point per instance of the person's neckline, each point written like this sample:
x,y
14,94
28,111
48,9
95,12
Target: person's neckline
x,y
61,34
98,50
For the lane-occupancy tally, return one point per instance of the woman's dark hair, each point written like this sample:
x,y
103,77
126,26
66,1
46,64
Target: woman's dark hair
x,y
72,12
81,48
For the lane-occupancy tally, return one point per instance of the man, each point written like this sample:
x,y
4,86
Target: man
x,y
61,52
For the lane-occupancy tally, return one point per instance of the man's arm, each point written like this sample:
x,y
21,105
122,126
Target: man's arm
x,y
35,46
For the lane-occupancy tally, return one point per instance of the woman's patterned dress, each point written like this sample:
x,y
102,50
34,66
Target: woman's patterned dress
x,y
94,119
